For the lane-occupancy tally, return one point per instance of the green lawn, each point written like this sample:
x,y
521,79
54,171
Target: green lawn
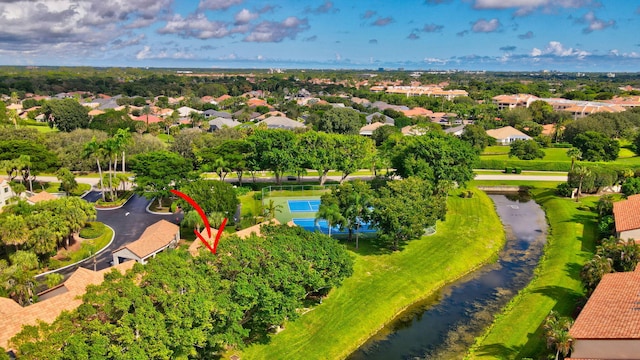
x,y
43,129
87,248
502,153
384,284
516,333
53,187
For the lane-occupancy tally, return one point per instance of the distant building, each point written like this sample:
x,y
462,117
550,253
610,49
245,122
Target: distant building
x,y
368,130
507,135
5,193
219,123
626,214
216,114
376,117
280,122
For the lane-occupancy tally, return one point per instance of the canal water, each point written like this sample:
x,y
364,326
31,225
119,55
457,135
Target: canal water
x,y
445,325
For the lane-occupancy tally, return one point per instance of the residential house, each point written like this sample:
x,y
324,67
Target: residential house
x,y
608,326
223,98
219,123
382,106
456,131
148,119
216,114
156,238
626,214
185,111
244,115
413,130
368,130
281,122
64,297
5,192
510,102
506,135
417,111
270,114
376,117
41,196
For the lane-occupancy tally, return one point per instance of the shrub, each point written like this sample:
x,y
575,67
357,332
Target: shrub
x,y
92,230
631,186
507,170
606,226
517,170
564,190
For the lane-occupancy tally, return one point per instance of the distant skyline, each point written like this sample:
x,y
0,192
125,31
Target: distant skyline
x,y
521,35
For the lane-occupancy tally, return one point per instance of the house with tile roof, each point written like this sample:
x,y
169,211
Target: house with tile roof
x,y
626,214
513,101
219,123
185,111
64,297
41,196
608,326
210,113
156,238
376,116
368,130
147,119
281,122
506,135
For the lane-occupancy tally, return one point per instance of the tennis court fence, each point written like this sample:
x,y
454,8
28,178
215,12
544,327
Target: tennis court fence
x,y
294,190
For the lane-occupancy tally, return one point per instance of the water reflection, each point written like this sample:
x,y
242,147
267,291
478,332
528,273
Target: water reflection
x,y
445,325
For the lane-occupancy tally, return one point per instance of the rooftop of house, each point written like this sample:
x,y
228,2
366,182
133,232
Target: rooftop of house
x,y
14,316
613,310
155,237
372,127
151,119
220,122
505,132
195,246
41,196
627,213
281,122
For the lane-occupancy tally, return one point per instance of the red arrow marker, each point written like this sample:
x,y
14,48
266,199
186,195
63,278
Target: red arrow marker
x,y
205,220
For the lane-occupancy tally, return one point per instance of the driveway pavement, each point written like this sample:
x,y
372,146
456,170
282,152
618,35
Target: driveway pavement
x,y
128,223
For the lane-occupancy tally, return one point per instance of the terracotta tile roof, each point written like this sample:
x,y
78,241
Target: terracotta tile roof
x,y
195,246
95,112
417,111
613,310
41,196
155,237
15,316
506,132
627,213
152,119
245,233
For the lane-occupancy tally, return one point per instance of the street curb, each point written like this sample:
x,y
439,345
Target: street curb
x,y
113,236
154,212
117,207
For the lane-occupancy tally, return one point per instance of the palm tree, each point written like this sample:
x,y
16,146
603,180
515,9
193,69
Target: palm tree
x,y
582,172
94,148
556,332
20,282
146,110
193,220
14,230
574,154
271,209
330,213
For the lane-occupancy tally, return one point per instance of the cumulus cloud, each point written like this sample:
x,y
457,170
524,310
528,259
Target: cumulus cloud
x,y
437,61
383,21
195,25
244,16
217,4
527,35
429,28
271,31
593,23
325,8
555,48
123,43
485,26
525,7
508,48
147,53
368,14
413,36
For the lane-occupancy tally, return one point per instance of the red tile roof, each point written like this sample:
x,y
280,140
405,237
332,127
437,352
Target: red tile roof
x,y
155,237
41,196
627,213
613,311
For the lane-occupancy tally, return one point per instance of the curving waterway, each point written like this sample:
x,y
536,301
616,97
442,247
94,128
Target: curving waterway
x,y
445,325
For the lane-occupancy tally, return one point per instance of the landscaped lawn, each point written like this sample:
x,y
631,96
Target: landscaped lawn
x,y
383,284
502,153
87,247
43,129
517,332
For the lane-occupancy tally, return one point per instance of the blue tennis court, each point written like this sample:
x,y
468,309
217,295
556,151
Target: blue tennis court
x,y
303,205
323,226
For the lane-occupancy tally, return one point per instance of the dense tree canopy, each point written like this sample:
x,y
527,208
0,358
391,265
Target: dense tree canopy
x,y
66,114
213,197
596,146
526,150
156,173
341,121
435,157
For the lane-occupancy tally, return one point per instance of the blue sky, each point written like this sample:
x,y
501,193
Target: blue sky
x,y
530,35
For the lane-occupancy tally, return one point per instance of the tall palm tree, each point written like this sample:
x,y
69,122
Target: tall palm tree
x,y
330,213
94,148
574,154
582,172
271,208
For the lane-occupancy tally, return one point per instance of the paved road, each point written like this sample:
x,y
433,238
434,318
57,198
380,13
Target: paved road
x,y
128,222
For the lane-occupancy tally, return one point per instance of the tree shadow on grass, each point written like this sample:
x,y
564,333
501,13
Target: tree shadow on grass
x,y
498,351
573,270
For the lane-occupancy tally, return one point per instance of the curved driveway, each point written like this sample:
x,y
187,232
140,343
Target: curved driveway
x,y
128,223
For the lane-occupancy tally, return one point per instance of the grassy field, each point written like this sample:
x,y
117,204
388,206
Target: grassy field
x,y
43,129
516,333
384,284
502,153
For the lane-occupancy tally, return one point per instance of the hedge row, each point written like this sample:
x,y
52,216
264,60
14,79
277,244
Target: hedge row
x,y
540,165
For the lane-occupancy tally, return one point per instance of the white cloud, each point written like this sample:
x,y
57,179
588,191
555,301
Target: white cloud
x,y
485,26
244,17
555,48
218,4
524,7
147,53
196,25
270,31
593,23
